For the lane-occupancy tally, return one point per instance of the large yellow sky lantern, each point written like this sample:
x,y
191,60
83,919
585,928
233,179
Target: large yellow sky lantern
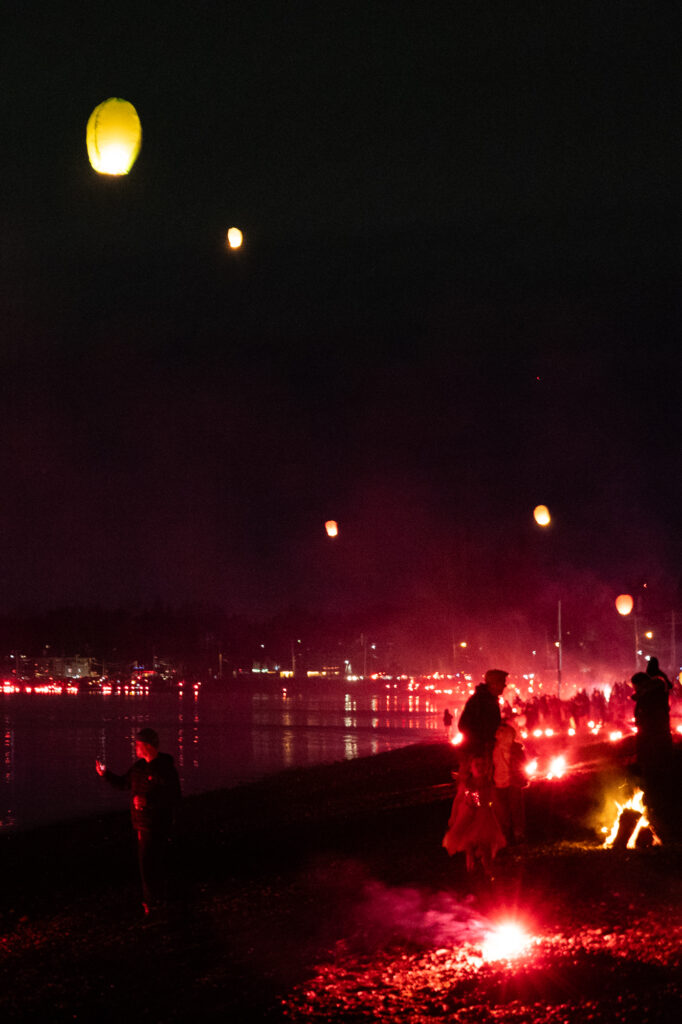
x,y
541,515
113,137
624,604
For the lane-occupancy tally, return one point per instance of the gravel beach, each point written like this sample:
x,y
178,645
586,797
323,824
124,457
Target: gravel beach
x,y
323,894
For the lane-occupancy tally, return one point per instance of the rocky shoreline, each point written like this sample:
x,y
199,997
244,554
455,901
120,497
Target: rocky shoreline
x,y
323,894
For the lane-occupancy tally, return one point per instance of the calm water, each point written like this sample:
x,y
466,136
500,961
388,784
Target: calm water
x,y
50,742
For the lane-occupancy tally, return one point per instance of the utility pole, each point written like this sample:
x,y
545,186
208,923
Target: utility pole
x,y
673,644
558,652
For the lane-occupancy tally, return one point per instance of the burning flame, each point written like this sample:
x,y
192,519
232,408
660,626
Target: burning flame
x,y
635,803
505,942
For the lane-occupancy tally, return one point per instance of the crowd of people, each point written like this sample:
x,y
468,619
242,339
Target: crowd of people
x,y
611,705
488,808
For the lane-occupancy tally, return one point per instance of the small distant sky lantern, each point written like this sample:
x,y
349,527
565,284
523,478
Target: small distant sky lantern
x,y
624,604
541,515
113,137
234,238
332,528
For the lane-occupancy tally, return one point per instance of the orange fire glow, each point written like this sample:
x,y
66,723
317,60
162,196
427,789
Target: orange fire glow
x,y
635,803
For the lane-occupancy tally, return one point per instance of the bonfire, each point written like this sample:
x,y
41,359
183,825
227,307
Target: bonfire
x,y
636,822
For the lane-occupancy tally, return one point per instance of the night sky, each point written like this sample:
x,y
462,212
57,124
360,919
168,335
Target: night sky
x,y
459,296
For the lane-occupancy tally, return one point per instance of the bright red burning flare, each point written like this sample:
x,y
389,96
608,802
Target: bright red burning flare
x,y
505,942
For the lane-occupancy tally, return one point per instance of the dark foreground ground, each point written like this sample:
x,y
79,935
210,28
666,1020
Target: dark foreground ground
x,y
324,895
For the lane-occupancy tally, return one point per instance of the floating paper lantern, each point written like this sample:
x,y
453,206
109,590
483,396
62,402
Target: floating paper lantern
x,y
541,515
113,137
234,238
332,528
624,604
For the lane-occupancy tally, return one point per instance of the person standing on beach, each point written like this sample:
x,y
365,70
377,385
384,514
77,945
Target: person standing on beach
x,y
447,722
473,825
654,750
481,716
655,672
509,782
154,797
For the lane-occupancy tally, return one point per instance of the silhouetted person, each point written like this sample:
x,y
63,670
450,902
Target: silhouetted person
x,y
155,794
653,670
654,746
447,722
481,715
473,826
509,779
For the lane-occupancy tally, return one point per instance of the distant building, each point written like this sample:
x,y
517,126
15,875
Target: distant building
x,y
67,668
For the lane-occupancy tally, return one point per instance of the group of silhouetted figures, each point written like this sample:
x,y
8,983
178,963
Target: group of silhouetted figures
x,y
488,808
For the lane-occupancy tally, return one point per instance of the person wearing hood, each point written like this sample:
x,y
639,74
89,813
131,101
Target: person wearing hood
x,y
654,672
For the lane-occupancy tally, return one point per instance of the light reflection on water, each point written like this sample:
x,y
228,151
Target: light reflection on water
x,y
50,742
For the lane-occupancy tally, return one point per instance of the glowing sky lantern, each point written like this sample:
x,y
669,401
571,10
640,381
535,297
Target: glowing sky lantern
x,y
332,528
624,604
541,515
234,238
113,137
